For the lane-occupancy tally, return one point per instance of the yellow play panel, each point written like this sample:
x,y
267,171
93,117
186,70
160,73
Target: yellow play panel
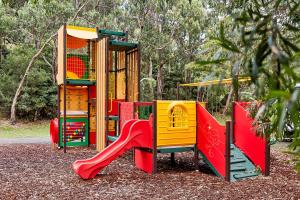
x,y
175,123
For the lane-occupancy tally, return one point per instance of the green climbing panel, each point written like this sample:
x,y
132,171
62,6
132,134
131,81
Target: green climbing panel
x,y
240,166
77,132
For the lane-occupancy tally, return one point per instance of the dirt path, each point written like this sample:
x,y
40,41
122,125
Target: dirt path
x,y
33,171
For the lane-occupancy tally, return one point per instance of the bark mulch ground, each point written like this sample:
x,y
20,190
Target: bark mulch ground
x,y
33,171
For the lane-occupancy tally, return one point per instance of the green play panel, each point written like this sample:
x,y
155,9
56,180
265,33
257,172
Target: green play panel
x,y
77,132
240,166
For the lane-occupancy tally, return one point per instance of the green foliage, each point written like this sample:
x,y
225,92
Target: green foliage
x,y
39,94
266,43
171,34
39,97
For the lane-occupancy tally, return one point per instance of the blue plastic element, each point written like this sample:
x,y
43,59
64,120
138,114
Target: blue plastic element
x,y
113,117
112,138
240,166
80,82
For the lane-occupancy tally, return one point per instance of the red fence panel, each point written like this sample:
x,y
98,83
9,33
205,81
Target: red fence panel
x,y
245,138
211,139
113,106
126,112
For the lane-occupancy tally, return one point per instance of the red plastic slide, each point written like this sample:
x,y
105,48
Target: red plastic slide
x,y
135,133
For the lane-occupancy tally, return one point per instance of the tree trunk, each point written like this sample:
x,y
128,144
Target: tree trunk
x,y
14,103
36,55
150,68
54,61
52,66
151,85
160,81
228,100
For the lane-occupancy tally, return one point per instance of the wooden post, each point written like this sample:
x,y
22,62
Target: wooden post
x,y
196,151
126,76
101,63
139,70
88,116
177,91
154,146
227,151
267,155
232,123
58,111
64,87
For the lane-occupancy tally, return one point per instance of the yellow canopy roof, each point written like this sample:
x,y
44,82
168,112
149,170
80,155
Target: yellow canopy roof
x,y
215,82
82,32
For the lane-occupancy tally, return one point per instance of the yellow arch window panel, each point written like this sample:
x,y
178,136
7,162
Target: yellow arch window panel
x,y
175,123
178,117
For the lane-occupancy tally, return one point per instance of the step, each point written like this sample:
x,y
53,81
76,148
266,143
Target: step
x,y
112,138
239,160
235,157
237,168
245,175
80,82
113,117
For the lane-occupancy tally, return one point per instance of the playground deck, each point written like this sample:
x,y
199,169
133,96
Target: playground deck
x,y
31,171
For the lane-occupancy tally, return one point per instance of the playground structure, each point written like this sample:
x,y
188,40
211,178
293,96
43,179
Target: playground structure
x,y
98,103
179,126
97,68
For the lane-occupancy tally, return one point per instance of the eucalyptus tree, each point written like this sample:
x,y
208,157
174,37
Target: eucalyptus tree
x,y
169,33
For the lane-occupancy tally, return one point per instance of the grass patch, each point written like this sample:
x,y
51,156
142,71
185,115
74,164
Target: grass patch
x,y
221,118
24,130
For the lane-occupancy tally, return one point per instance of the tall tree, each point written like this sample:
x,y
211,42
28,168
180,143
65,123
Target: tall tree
x,y
46,20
